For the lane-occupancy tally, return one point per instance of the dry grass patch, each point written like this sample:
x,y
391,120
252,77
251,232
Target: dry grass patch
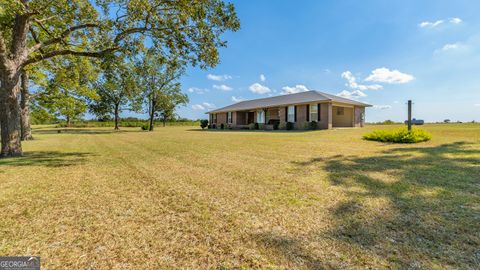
x,y
181,198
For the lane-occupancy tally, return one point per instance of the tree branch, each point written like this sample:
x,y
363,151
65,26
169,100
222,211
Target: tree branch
x,y
68,52
43,27
63,35
46,19
127,32
35,38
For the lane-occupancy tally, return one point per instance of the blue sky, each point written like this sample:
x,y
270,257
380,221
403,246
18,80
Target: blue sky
x,y
380,52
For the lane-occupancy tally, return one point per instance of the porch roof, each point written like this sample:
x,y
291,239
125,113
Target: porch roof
x,y
283,100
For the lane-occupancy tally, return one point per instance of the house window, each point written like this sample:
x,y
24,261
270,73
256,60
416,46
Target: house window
x,y
229,117
260,117
313,112
340,111
291,114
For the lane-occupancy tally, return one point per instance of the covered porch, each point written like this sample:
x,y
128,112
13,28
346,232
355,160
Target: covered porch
x,y
266,116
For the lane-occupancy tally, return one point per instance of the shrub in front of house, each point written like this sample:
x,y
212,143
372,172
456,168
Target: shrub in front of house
x,y
203,123
282,126
251,126
214,126
222,126
256,126
276,126
306,125
289,126
209,126
312,125
401,135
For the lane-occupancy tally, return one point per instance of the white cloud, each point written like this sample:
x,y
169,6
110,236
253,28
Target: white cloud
x,y
455,20
209,105
427,24
386,75
218,78
356,94
237,99
259,89
203,106
476,105
430,24
396,102
382,107
352,83
198,107
197,90
295,89
451,47
222,87
263,78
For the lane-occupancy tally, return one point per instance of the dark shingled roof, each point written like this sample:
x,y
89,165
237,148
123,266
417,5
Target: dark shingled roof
x,y
283,100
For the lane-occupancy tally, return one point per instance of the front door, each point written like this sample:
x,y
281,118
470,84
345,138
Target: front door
x,y
251,117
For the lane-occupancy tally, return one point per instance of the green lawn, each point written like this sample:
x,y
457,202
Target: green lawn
x,y
184,198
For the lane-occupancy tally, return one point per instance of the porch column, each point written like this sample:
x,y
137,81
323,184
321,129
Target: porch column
x,y
330,115
353,116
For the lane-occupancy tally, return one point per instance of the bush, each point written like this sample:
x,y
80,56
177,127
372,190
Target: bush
x,y
275,126
209,126
256,126
312,125
203,123
388,122
222,126
400,135
214,126
251,126
282,126
289,126
145,127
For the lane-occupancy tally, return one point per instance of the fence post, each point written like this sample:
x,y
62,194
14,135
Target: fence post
x,y
409,116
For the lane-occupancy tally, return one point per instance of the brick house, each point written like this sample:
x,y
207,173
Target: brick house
x,y
328,111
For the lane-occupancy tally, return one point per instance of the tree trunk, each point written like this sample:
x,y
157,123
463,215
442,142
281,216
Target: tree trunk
x,y
117,117
10,120
152,114
69,122
9,79
164,120
24,107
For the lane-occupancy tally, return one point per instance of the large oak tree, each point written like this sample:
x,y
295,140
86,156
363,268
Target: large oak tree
x,y
35,30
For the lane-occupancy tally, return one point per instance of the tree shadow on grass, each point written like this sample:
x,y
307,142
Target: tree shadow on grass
x,y
47,159
415,207
291,249
78,131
